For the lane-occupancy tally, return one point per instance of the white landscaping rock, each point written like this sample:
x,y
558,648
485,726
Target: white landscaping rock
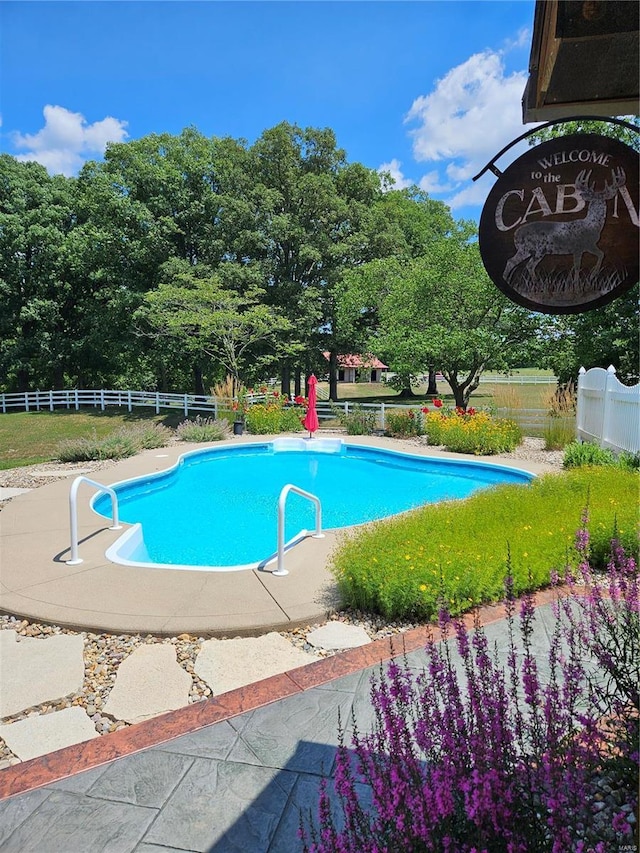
x,y
40,735
227,664
33,671
149,682
338,635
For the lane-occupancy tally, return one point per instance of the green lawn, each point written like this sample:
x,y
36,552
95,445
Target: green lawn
x,y
27,438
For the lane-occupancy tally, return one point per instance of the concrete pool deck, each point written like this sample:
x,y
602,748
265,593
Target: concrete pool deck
x,y
36,582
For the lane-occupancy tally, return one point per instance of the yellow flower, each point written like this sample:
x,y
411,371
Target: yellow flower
x,y
423,587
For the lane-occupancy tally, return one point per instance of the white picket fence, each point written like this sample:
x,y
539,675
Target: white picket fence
x,y
608,412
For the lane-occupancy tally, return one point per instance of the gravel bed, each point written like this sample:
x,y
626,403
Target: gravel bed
x,y
104,652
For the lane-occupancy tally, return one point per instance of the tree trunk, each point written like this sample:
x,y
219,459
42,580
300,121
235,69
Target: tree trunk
x,y
432,387
333,376
58,377
406,393
23,380
460,398
163,383
285,380
297,386
197,381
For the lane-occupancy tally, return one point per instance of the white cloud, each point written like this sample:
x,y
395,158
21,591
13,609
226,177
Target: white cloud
x,y
472,194
471,114
393,168
431,183
67,140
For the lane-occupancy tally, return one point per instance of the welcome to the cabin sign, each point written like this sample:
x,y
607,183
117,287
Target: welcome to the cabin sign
x,y
559,230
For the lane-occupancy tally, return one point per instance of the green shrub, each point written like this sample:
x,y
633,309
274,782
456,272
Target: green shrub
x,y
357,421
399,567
291,419
577,454
204,429
403,423
629,461
275,415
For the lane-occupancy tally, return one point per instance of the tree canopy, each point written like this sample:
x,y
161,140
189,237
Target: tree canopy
x,y
180,259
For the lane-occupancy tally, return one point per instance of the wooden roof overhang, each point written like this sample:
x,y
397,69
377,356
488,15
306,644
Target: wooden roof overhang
x,y
584,60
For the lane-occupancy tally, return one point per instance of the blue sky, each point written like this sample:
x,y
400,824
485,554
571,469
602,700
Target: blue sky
x,y
427,90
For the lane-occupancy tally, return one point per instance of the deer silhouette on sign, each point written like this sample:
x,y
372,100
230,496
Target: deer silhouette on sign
x,y
535,240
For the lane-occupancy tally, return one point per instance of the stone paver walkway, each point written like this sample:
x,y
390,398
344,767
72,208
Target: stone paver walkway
x,y
149,682
235,785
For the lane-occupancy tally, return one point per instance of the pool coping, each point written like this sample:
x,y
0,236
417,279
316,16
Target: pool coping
x,y
100,596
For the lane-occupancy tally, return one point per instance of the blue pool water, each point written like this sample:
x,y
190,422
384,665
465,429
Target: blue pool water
x,y
218,507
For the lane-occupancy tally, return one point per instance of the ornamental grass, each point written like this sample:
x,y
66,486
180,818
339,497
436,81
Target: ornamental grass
x,y
203,429
400,567
485,752
120,444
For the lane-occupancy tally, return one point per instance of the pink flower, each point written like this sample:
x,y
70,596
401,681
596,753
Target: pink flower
x,y
425,410
437,402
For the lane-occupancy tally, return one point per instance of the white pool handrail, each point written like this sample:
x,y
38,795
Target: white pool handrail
x,y
282,500
73,513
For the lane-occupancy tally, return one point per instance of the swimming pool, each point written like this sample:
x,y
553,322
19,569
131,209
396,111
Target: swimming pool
x,y
216,509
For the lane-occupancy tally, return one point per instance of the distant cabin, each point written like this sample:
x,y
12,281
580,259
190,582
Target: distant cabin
x,y
355,368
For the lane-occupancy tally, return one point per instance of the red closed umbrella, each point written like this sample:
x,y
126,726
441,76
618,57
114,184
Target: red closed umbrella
x,y
311,418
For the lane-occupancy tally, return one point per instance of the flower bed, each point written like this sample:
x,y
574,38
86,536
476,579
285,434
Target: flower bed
x,y
276,414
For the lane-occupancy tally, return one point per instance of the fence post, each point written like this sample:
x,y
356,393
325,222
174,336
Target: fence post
x,y
580,403
4,405
129,400
606,404
50,401
186,409
382,420
157,403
